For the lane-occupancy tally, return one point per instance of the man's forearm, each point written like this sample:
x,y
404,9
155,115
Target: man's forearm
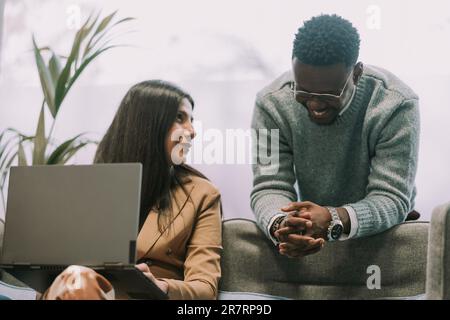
x,y
345,219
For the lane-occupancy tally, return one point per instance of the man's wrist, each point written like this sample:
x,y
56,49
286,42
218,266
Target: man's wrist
x,y
335,227
345,219
276,225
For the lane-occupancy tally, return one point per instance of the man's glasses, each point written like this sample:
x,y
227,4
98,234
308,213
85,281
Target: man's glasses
x,y
303,96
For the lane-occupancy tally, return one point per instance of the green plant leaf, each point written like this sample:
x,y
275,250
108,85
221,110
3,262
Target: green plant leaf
x,y
11,153
18,133
61,87
86,63
58,154
45,49
66,79
45,77
8,160
123,20
102,26
3,176
54,66
83,36
73,150
9,147
6,154
104,23
40,141
71,71
22,159
93,43
4,146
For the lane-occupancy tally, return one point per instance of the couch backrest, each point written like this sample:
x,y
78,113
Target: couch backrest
x,y
341,270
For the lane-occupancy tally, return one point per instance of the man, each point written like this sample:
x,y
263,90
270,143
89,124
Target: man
x,y
348,136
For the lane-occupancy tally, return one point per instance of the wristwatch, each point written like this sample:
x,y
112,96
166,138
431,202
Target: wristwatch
x,y
336,227
276,225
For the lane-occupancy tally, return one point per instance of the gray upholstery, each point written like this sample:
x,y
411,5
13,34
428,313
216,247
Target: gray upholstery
x,y
2,227
438,269
251,263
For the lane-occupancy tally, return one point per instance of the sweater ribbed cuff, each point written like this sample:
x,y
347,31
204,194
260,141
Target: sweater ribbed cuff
x,y
353,224
363,214
266,206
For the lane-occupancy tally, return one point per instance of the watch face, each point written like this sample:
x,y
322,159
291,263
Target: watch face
x,y
336,231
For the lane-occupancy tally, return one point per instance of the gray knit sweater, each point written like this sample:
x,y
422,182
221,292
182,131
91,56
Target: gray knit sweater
x,y
366,159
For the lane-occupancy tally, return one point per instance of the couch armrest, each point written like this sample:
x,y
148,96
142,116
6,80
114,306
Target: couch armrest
x,y
438,266
2,229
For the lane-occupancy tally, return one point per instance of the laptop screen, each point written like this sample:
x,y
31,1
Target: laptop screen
x,y
63,215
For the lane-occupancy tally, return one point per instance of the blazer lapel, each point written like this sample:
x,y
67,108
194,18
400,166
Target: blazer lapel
x,y
150,233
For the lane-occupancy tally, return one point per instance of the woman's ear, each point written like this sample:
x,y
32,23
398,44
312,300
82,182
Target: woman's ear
x,y
357,72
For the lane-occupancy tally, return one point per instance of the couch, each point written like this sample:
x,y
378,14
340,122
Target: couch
x,y
413,258
410,259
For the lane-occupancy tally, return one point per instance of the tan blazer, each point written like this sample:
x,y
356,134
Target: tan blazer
x,y
187,253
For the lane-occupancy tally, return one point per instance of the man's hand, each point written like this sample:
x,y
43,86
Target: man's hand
x,y
304,230
319,217
299,246
294,222
293,242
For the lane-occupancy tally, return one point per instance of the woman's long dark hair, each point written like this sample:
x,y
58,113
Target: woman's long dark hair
x,y
138,134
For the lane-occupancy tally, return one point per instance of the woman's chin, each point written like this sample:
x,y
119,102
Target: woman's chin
x,y
179,160
179,156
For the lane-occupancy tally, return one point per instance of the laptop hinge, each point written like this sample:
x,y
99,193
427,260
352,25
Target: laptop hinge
x,y
113,265
21,265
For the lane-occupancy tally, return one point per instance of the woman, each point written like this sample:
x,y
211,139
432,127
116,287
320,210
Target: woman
x,y
179,242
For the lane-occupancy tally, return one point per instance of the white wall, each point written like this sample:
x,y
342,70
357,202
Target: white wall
x,y
2,6
223,53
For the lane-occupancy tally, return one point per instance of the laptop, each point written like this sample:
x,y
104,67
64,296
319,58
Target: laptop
x,y
86,215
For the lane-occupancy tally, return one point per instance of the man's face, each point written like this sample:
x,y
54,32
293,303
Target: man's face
x,y
333,79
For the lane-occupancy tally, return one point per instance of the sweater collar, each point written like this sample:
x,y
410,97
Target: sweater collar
x,y
349,102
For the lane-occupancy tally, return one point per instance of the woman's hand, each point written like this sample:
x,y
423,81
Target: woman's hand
x,y
146,270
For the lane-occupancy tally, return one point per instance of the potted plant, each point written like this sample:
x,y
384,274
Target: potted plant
x,y
57,75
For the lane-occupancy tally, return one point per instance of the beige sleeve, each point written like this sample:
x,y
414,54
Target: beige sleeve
x,y
202,264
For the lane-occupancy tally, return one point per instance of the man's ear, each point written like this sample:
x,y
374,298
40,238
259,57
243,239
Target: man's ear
x,y
357,72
